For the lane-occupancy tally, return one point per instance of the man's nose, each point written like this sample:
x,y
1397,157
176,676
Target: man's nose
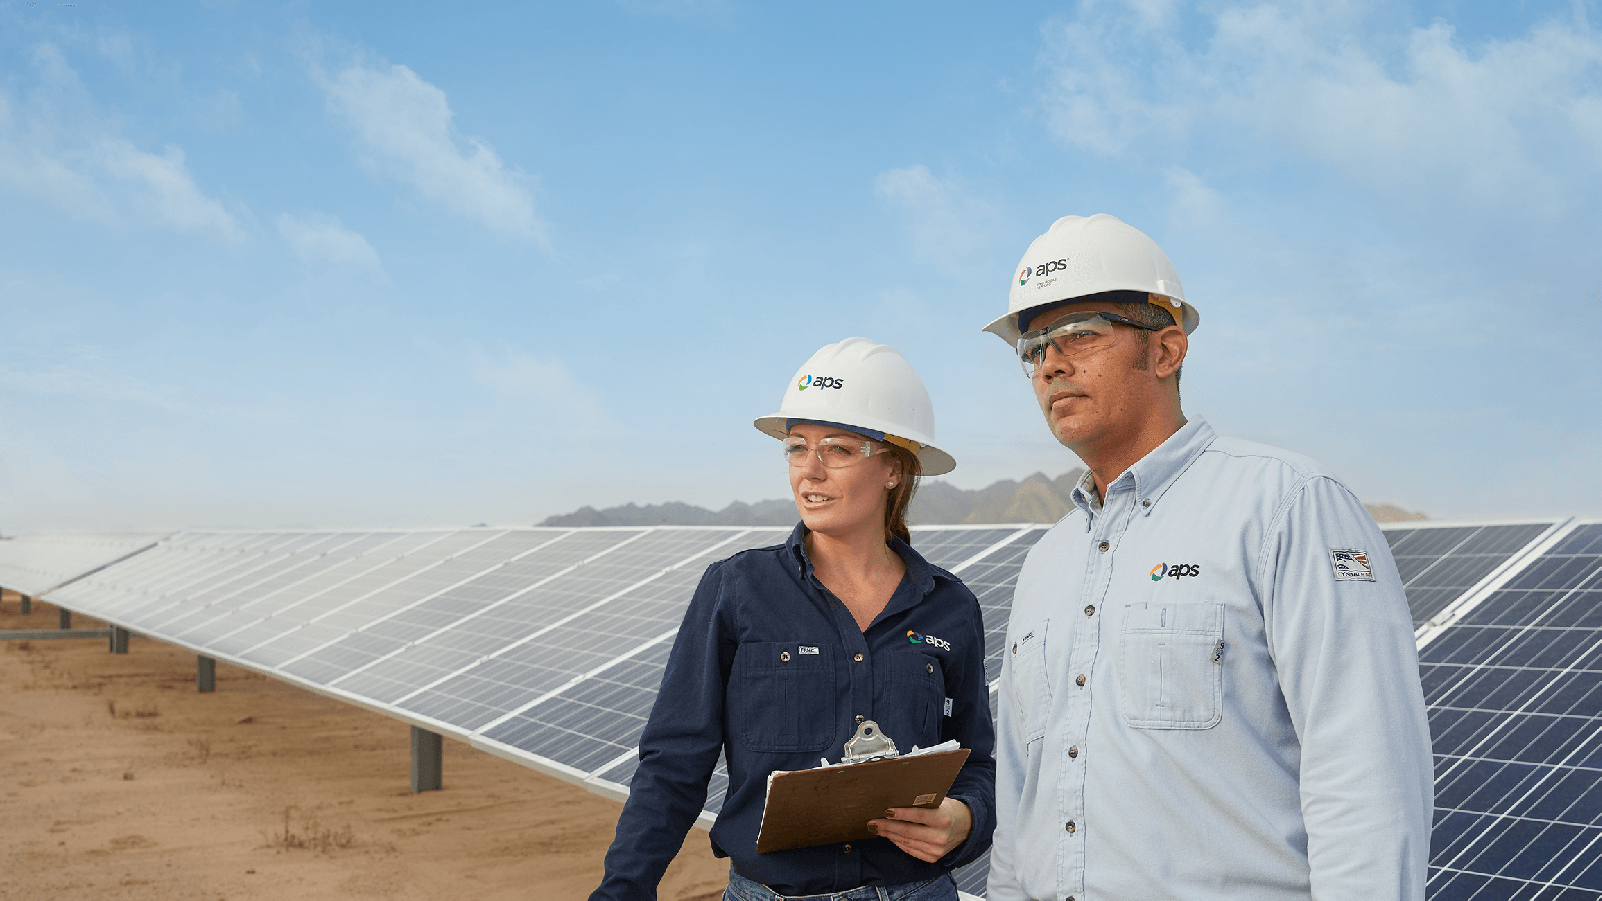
x,y
1052,363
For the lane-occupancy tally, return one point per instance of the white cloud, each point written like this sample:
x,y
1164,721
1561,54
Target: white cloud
x,y
163,189
58,147
946,224
321,238
406,133
1505,122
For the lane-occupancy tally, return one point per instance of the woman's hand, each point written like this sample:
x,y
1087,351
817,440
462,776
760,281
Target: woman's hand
x,y
927,834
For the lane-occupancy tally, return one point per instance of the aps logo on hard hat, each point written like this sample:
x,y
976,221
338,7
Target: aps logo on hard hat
x,y
821,381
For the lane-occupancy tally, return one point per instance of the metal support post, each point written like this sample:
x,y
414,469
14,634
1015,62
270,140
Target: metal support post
x,y
27,604
427,760
63,618
205,673
118,640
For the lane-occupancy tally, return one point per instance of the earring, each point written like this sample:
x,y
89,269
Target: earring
x,y
891,485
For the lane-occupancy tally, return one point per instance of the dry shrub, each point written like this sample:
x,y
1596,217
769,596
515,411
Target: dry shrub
x,y
302,831
143,711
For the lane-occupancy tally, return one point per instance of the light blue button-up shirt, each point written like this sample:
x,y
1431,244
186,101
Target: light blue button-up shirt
x,y
1211,691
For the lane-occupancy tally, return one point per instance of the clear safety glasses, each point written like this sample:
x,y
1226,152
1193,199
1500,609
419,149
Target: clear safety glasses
x,y
1075,334
835,452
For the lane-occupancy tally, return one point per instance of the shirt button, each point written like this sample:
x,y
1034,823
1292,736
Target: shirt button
x,y
931,667
846,849
1073,752
858,658
1079,681
1015,649
1146,502
1103,546
860,718
1070,827
1090,610
784,656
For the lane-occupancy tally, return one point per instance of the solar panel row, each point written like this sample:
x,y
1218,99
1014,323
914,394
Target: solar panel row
x,y
547,646
34,564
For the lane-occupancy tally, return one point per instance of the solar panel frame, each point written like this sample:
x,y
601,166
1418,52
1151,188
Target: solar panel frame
x,y
1441,562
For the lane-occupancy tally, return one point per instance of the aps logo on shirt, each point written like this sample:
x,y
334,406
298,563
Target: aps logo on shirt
x,y
920,638
1176,571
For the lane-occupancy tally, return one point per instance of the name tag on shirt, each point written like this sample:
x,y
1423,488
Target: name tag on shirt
x,y
806,650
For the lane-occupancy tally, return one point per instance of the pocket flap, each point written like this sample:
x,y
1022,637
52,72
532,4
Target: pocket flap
x,y
1201,619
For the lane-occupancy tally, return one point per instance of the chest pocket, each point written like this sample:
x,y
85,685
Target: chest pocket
x,y
910,711
1171,666
781,700
1031,686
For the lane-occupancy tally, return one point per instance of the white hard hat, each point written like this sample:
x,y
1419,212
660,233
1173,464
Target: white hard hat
x,y
866,387
1084,255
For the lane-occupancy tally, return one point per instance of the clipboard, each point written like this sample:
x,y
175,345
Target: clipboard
x,y
832,804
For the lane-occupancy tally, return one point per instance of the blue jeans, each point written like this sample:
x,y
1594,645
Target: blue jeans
x,y
941,888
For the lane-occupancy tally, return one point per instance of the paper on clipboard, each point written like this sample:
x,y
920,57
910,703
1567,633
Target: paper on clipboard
x,y
834,803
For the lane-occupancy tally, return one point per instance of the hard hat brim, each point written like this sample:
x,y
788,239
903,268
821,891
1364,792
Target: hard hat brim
x,y
933,460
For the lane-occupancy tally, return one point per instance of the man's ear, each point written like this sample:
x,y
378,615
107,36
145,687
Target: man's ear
x,y
1172,345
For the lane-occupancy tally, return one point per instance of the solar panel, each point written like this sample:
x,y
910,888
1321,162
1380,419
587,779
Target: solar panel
x,y
546,659
1438,564
34,564
502,606
548,645
1514,689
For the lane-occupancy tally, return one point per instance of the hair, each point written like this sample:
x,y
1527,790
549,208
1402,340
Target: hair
x,y
1153,315
908,470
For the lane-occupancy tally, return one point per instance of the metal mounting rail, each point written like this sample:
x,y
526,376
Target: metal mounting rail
x,y
39,634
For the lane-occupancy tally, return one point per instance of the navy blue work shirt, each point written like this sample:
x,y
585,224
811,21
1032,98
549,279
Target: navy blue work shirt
x,y
771,669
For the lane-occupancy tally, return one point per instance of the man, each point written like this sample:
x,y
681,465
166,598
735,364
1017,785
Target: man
x,y
1210,688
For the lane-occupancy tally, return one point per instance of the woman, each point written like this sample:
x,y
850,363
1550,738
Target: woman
x,y
785,649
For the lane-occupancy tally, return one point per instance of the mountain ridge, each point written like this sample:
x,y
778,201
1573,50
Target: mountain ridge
x,y
1035,498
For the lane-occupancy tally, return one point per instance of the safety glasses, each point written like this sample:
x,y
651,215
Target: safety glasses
x,y
835,452
1073,335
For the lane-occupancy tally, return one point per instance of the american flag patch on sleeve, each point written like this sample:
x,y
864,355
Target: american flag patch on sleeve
x,y
1351,565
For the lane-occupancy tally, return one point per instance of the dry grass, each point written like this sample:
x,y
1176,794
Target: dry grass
x,y
302,831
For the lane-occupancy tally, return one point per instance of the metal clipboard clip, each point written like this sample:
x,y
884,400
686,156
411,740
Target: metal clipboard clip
x,y
870,743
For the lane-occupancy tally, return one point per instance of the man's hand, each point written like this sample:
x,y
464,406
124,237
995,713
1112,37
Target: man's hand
x,y
926,834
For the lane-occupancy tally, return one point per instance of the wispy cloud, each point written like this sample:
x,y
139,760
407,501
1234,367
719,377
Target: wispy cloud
x,y
57,146
946,222
321,238
1507,122
543,386
406,132
86,383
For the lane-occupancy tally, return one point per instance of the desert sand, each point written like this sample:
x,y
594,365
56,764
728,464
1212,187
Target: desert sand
x,y
118,780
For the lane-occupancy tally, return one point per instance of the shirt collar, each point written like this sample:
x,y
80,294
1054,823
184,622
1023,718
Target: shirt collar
x,y
1152,474
919,572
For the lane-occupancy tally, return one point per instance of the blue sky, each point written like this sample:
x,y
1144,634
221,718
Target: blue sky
x,y
379,264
